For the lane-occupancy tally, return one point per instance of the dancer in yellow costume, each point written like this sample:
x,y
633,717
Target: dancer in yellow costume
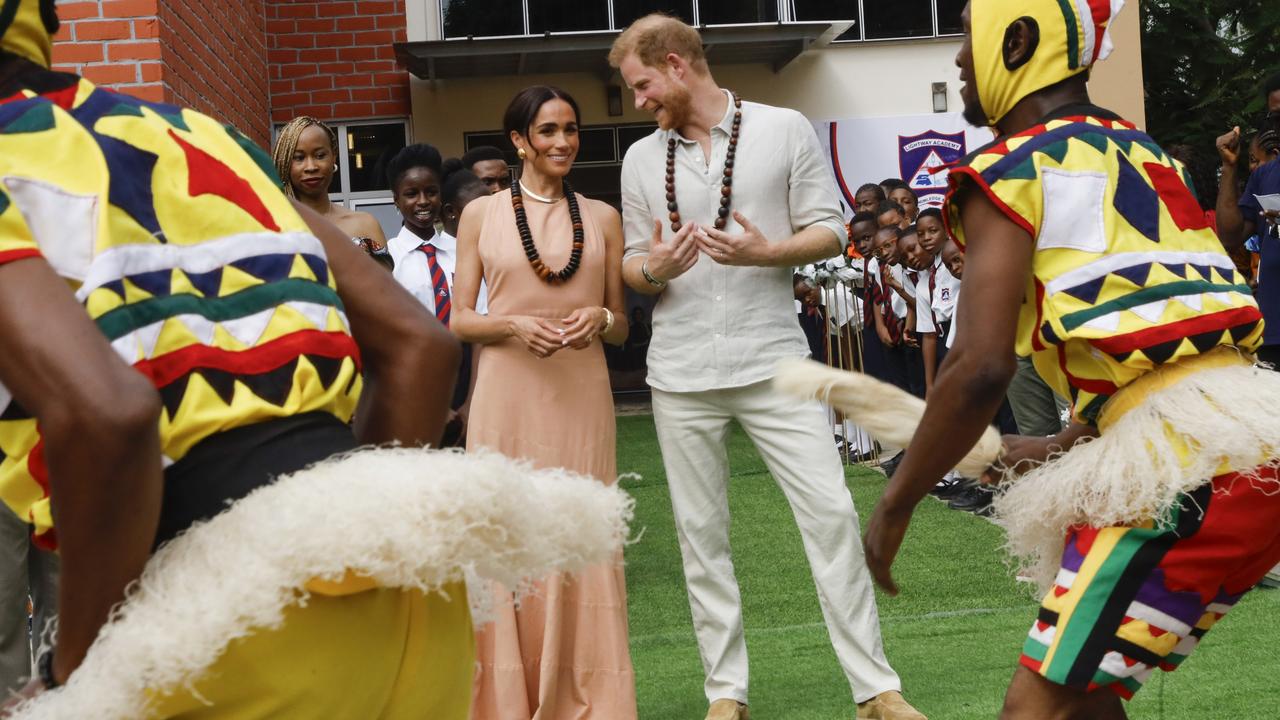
x,y
175,334
1087,251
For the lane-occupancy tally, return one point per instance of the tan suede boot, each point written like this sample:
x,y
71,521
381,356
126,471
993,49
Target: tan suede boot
x,y
727,709
888,706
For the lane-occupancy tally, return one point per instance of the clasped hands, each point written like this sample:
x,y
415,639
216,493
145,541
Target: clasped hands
x,y
544,337
669,259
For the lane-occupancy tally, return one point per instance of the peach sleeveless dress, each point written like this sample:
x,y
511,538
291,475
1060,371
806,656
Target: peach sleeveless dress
x,y
563,654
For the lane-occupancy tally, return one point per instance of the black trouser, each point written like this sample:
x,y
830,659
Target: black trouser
x,y
225,467
895,366
1270,354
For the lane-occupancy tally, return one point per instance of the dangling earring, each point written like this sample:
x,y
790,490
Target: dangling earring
x,y
520,153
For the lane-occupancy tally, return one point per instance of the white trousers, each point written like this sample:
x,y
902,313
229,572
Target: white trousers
x,y
794,438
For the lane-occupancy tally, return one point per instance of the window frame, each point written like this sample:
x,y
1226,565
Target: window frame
x,y
786,14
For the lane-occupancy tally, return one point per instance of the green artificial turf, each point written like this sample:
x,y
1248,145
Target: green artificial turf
x,y
953,633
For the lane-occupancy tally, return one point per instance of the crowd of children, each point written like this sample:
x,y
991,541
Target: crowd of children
x,y
911,274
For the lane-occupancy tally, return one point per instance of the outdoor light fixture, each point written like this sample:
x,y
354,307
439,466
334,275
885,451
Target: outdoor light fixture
x,y
614,95
940,97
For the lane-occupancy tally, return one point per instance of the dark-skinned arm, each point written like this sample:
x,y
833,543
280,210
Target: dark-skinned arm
x,y
1233,228
99,419
929,348
410,359
972,382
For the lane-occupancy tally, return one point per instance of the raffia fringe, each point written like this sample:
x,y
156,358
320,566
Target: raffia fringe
x,y
406,518
1177,439
887,412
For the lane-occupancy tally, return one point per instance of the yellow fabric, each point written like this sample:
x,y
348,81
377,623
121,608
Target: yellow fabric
x,y
377,655
185,253
348,584
1128,273
22,32
1137,392
1072,36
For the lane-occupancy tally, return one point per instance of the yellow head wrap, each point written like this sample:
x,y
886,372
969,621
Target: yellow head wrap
x,y
23,31
1073,35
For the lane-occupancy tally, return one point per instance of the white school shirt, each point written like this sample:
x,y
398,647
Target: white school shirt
x,y
946,290
924,304
899,304
414,274
951,334
940,302
718,326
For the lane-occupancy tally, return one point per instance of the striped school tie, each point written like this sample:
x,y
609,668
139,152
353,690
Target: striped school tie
x,y
439,284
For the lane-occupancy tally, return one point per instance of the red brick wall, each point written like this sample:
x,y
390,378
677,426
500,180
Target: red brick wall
x,y
215,61
333,59
245,62
113,43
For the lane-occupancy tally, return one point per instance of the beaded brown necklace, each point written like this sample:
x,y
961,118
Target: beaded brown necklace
x,y
726,187
552,277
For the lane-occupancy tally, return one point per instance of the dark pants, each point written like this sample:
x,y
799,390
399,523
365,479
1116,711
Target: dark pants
x,y
873,362
25,571
1270,354
1036,408
914,357
895,366
225,467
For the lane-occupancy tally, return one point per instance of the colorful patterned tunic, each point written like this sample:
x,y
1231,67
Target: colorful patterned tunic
x,y
173,232
1128,274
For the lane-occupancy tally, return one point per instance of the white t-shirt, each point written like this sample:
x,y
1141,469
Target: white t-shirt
x,y
413,273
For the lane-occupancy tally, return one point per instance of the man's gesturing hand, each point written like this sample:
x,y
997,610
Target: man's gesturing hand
x,y
669,260
749,248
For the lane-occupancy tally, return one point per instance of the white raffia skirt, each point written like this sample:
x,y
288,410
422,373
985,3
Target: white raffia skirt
x,y
1162,436
402,518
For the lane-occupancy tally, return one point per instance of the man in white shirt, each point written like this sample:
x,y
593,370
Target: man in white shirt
x,y
718,248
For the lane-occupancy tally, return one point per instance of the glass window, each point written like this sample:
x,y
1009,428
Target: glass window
x,y
898,19
725,12
814,10
626,12
949,17
567,15
493,139
839,10
629,134
369,148
482,18
595,145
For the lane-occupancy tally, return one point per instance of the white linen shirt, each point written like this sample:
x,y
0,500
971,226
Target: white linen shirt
x,y
413,273
718,326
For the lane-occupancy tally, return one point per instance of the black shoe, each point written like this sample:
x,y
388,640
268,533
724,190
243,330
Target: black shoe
x,y
975,499
890,465
948,490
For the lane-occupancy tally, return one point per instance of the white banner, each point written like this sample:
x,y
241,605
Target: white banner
x,y
868,150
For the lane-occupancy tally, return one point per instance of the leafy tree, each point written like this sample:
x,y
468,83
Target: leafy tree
x,y
1205,62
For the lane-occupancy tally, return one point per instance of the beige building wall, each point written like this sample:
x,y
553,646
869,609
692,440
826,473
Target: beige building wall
x,y
833,83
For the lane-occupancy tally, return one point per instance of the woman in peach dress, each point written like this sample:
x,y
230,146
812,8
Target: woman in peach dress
x,y
552,262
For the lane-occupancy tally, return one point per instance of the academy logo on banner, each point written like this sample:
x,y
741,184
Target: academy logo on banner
x,y
920,158
872,149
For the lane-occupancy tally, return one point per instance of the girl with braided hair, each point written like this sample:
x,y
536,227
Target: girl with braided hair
x,y
306,157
